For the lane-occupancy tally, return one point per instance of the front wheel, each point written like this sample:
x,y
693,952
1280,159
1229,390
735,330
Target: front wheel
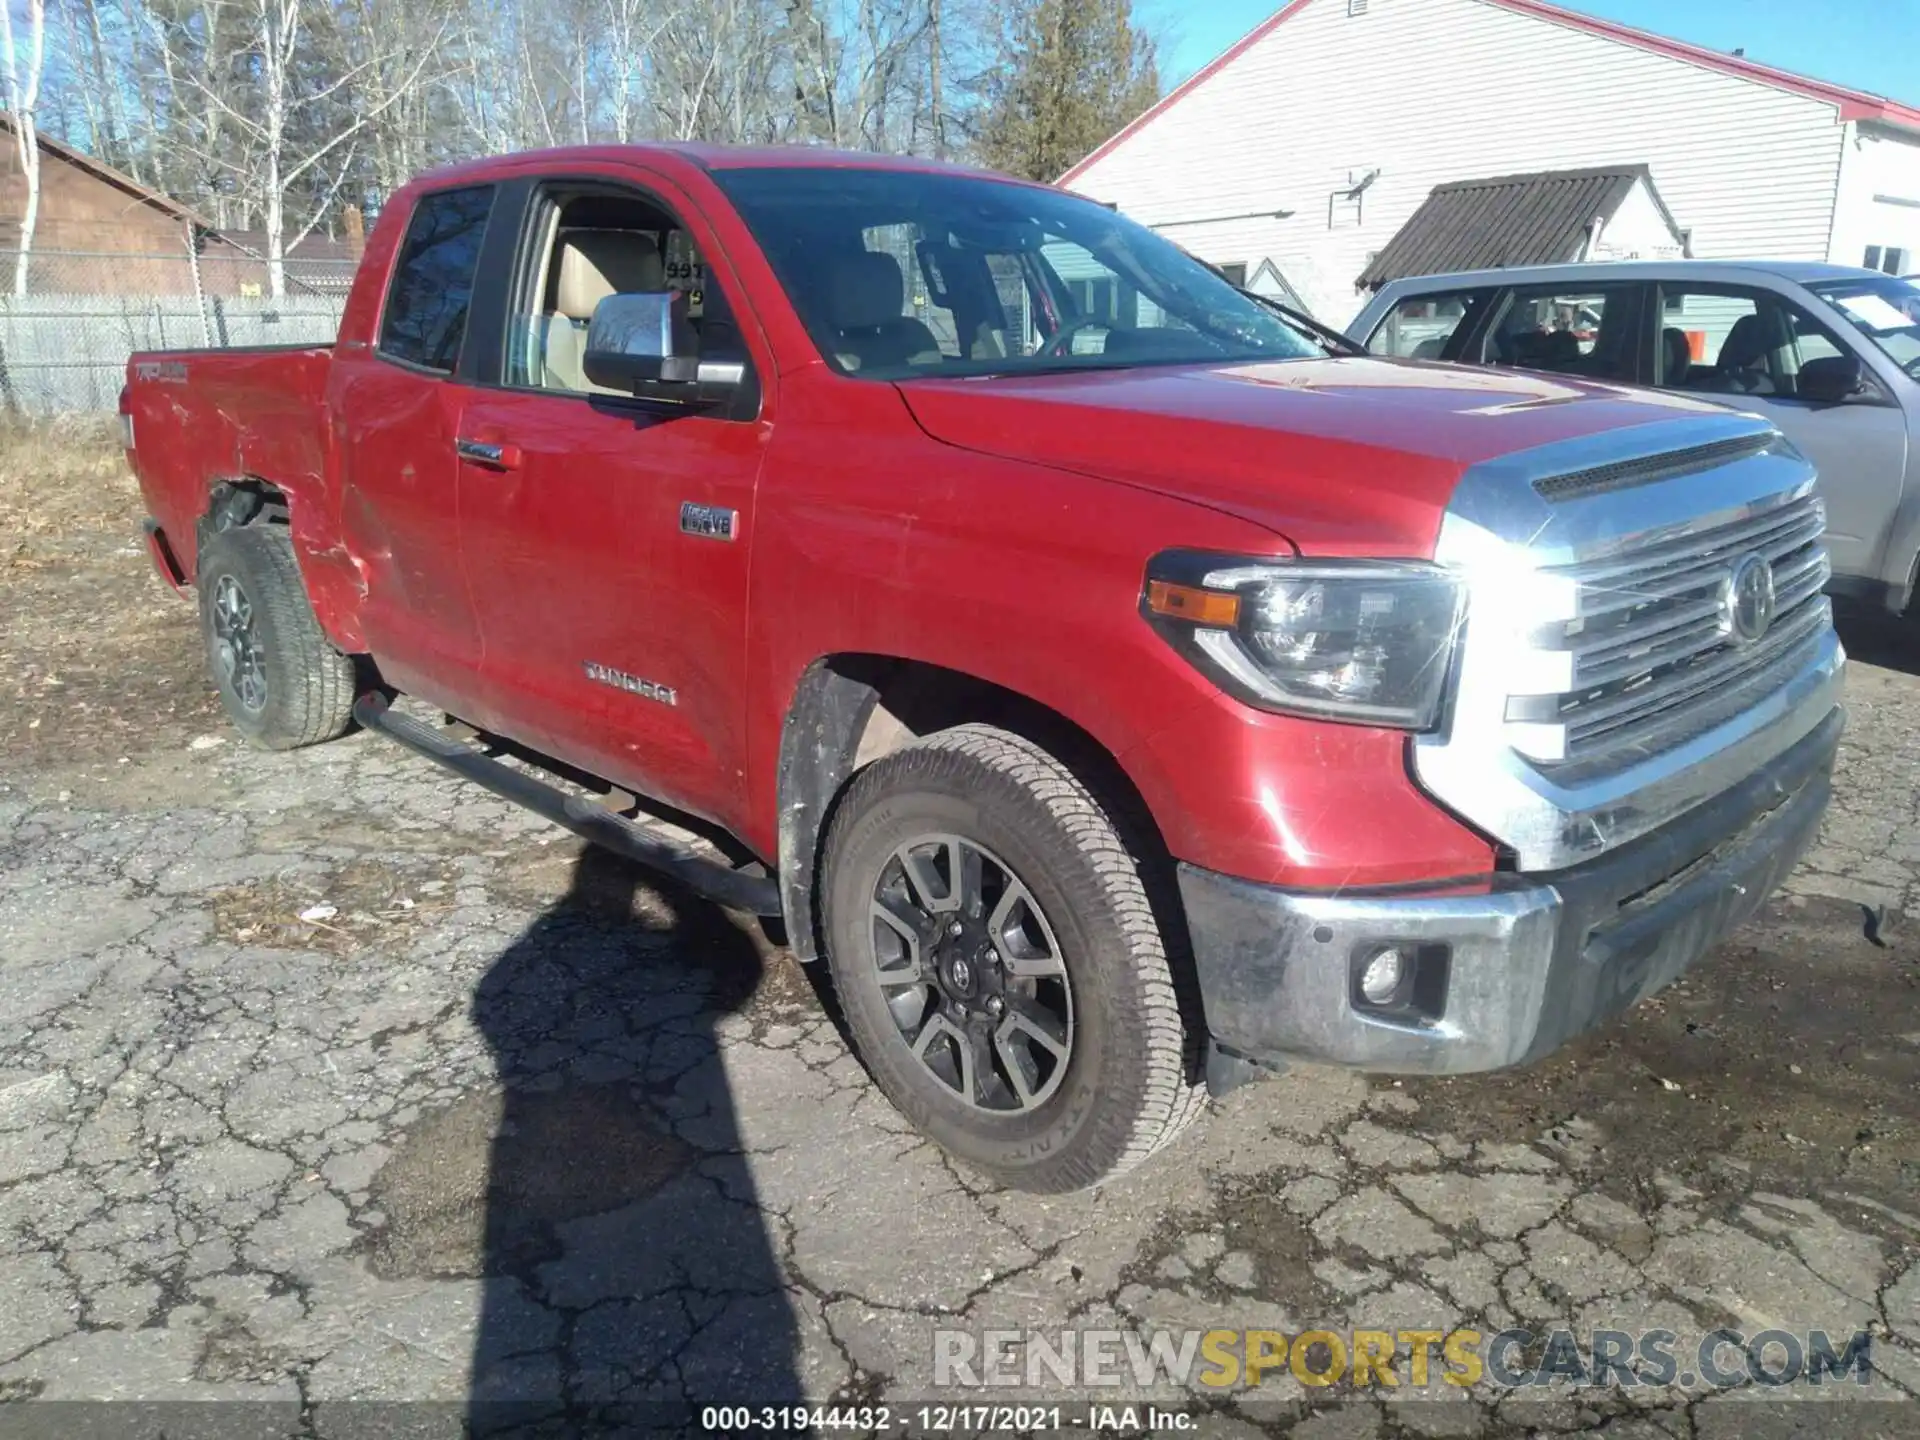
x,y
281,684
999,964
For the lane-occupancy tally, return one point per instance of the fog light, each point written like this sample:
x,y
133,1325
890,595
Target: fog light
x,y
1384,973
1401,982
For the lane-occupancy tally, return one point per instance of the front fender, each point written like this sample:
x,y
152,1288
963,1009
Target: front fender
x,y
1029,579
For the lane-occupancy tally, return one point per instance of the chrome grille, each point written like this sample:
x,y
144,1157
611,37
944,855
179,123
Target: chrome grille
x,y
1598,692
1648,659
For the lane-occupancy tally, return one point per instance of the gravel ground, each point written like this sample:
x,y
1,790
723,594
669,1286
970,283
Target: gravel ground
x,y
512,1125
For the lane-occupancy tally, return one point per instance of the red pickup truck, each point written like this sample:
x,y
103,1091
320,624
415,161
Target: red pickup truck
x,y
1120,687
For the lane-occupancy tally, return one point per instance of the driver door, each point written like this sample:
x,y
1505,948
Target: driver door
x,y
608,538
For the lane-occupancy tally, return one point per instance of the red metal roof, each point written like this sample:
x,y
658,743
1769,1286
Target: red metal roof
x,y
1852,104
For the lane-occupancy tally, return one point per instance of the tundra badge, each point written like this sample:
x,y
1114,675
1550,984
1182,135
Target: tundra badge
x,y
711,522
632,684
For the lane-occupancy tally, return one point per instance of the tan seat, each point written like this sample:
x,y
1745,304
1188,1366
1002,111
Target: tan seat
x,y
591,265
868,297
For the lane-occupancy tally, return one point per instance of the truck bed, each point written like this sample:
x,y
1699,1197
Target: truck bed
x,y
198,417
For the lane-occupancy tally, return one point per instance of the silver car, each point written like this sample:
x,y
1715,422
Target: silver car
x,y
1830,354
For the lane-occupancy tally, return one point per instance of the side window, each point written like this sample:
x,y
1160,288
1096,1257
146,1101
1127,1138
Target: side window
x,y
1575,330
1722,340
590,246
426,312
1422,327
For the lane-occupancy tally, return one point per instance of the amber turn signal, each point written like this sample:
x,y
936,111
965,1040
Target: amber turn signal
x,y
1191,603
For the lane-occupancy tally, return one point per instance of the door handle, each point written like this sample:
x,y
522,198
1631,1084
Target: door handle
x,y
488,454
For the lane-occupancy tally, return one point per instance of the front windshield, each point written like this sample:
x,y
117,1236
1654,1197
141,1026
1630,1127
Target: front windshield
x,y
901,273
1885,309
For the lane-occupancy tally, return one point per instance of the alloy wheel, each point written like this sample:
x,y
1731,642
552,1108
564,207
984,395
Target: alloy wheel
x,y
236,644
972,973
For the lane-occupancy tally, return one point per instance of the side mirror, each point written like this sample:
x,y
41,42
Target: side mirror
x,y
644,344
1831,380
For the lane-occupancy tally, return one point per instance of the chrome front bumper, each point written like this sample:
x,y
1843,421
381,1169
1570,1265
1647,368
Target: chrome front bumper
x,y
1511,972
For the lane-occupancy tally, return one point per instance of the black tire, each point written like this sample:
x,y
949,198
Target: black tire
x,y
1127,1084
298,690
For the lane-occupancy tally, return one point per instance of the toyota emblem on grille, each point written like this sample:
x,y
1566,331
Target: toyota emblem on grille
x,y
1746,605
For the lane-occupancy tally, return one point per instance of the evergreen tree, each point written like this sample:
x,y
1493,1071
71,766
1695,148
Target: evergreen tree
x,y
1072,73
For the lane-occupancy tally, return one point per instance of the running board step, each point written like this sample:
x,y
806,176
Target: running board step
x,y
582,814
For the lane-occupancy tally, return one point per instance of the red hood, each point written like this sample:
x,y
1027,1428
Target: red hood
x,y
1341,456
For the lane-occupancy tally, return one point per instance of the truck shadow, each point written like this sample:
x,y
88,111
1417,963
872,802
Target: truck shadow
x,y
628,1274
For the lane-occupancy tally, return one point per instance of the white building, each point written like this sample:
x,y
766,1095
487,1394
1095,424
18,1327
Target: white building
x,y
1304,149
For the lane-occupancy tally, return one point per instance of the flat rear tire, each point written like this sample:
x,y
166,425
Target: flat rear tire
x,y
282,685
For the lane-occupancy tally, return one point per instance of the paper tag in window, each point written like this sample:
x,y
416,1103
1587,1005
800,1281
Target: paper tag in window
x,y
1874,312
686,271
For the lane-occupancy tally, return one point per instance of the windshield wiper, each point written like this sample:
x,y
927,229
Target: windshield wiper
x,y
1329,339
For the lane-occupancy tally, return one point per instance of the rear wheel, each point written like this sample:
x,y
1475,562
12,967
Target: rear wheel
x,y
280,682
999,965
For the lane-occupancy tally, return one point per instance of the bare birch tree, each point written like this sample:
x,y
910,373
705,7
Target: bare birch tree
x,y
178,53
413,122
286,150
278,114
714,73
113,134
23,99
632,27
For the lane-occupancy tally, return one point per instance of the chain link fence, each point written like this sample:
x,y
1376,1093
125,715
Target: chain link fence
x,y
64,342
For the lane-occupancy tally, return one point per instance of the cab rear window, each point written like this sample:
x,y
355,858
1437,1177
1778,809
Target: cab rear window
x,y
425,319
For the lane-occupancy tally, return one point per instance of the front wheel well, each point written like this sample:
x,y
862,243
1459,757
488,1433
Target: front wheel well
x,y
852,709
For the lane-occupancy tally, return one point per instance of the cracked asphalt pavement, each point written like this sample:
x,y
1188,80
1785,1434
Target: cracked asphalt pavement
x,y
508,1124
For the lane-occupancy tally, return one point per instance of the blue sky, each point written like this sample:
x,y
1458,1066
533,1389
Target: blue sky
x,y
1871,45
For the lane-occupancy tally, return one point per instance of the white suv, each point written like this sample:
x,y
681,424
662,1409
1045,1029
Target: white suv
x,y
1828,353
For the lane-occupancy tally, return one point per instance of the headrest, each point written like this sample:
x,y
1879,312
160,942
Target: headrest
x,y
1750,341
868,290
1679,352
597,263
1562,347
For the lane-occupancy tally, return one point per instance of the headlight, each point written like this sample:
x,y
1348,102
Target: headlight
x,y
1362,641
